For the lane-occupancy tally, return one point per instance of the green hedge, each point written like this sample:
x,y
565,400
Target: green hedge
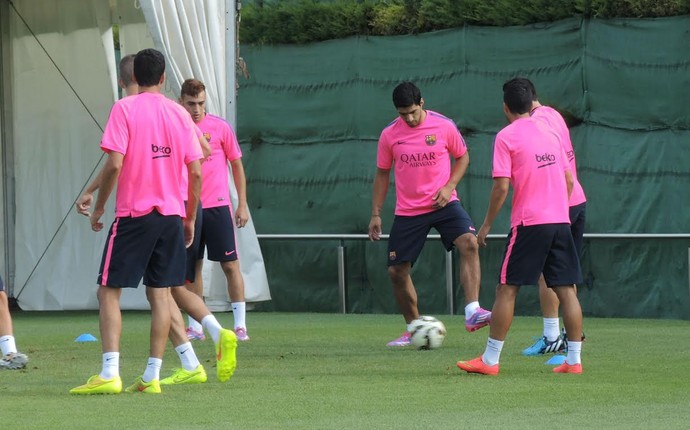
x,y
303,21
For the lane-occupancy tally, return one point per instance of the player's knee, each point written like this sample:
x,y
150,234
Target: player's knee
x,y
230,268
398,273
467,244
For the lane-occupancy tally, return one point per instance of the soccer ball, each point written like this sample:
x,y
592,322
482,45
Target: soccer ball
x,y
427,333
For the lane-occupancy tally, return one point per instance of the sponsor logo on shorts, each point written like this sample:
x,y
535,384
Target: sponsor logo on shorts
x,y
430,139
392,255
229,253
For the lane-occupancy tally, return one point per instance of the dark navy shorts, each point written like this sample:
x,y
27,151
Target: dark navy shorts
x,y
536,249
577,225
150,246
218,235
193,250
408,233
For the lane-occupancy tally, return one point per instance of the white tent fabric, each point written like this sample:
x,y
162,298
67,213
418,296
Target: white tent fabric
x,y
63,73
62,91
192,36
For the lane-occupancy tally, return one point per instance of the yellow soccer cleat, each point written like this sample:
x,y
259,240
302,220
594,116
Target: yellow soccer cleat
x,y
182,376
139,386
226,355
98,385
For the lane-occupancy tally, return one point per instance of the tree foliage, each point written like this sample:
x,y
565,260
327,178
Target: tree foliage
x,y
303,21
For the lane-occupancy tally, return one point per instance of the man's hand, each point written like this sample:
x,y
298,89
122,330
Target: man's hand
x,y
96,224
241,216
83,204
188,232
483,232
442,197
375,227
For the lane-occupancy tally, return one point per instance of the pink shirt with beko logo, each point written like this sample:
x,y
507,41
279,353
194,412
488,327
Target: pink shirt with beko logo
x,y
215,190
158,139
421,159
554,119
530,153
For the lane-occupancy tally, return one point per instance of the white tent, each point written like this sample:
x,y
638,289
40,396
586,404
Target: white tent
x,y
58,83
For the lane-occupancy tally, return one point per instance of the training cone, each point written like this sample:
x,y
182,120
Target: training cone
x,y
86,337
556,360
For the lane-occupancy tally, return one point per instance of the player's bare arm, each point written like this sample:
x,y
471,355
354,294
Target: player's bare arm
x,y
205,147
83,203
499,192
381,180
442,196
193,192
241,213
109,174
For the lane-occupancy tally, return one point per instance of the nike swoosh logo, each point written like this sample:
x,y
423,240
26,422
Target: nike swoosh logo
x,y
182,353
109,358
229,253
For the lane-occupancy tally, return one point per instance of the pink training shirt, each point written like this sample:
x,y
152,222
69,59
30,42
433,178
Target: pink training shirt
x,y
158,139
421,159
215,190
531,155
554,119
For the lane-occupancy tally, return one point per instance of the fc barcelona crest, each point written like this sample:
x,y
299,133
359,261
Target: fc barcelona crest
x,y
430,139
207,136
392,256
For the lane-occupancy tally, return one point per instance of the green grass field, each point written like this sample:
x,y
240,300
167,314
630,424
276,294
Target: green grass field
x,y
326,371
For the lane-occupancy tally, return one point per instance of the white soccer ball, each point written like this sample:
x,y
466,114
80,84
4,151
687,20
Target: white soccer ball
x,y
427,333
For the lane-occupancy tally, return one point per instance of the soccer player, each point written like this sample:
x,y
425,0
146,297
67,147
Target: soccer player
x,y
529,156
217,232
191,370
419,145
149,140
11,358
552,340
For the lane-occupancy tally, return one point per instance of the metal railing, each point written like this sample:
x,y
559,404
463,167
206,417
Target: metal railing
x,y
342,266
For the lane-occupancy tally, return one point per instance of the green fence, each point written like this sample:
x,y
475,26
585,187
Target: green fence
x,y
309,118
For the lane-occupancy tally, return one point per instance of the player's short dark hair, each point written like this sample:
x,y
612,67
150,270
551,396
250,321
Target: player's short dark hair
x,y
125,69
532,88
149,66
192,87
517,95
406,94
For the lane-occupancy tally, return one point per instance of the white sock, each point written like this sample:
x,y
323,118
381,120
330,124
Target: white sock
x,y
111,365
574,350
493,351
7,345
194,324
552,328
212,326
188,358
239,311
470,309
153,369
